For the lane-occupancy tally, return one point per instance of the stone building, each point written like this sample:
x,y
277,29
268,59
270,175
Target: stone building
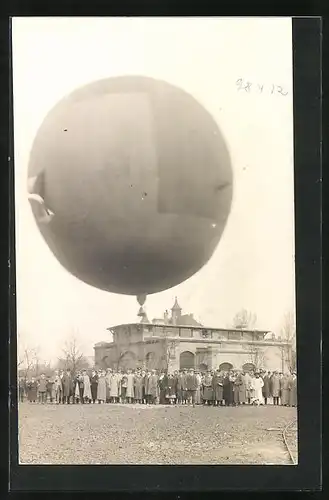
x,y
178,341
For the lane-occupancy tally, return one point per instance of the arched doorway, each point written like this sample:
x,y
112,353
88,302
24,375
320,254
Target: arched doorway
x,y
127,360
150,361
186,360
248,367
225,367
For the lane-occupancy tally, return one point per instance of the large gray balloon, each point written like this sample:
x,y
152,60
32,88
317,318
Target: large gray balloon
x,y
131,184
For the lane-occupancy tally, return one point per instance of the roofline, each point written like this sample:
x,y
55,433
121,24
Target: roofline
x,y
194,327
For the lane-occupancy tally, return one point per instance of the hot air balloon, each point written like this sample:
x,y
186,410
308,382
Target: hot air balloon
x,y
130,184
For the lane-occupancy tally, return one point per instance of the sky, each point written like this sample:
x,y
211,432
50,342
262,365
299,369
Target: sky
x,y
212,59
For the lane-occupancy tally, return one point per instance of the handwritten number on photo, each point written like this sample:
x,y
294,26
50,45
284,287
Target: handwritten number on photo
x,y
259,88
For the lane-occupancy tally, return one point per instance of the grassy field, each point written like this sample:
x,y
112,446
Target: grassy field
x,y
138,434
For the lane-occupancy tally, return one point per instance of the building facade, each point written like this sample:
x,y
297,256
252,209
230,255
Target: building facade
x,y
179,341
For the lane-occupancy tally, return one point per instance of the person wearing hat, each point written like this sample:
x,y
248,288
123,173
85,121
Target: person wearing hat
x,y
198,399
115,387
81,384
239,390
21,389
191,386
228,389
138,386
217,386
285,389
153,387
108,384
163,387
67,382
101,387
293,389
207,389
266,387
179,387
42,389
77,393
93,385
257,386
32,390
130,386
124,385
275,387
247,383
58,387
86,387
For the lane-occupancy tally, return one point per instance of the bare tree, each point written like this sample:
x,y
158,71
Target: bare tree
x,y
257,355
72,357
288,336
28,361
244,319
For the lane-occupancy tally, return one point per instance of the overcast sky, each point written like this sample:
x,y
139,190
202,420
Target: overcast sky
x,y
253,266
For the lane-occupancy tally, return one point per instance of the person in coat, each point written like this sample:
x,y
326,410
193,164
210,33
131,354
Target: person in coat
x,y
240,389
86,387
184,384
77,396
114,387
171,388
109,374
247,383
179,386
293,390
257,389
93,385
144,377
236,389
198,395
42,389
130,386
285,389
50,389
228,389
191,386
124,384
163,387
208,394
80,381
152,387
275,387
32,390
266,386
67,382
58,387
21,389
138,387
217,387
101,387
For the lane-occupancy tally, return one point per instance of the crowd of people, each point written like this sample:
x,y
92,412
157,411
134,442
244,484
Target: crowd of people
x,y
186,387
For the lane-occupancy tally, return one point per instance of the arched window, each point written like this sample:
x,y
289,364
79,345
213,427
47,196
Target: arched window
x,y
225,367
248,367
186,360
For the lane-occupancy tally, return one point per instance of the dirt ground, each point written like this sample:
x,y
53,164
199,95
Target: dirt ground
x,y
138,434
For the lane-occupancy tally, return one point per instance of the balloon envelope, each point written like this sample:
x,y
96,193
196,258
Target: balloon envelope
x,y
137,178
